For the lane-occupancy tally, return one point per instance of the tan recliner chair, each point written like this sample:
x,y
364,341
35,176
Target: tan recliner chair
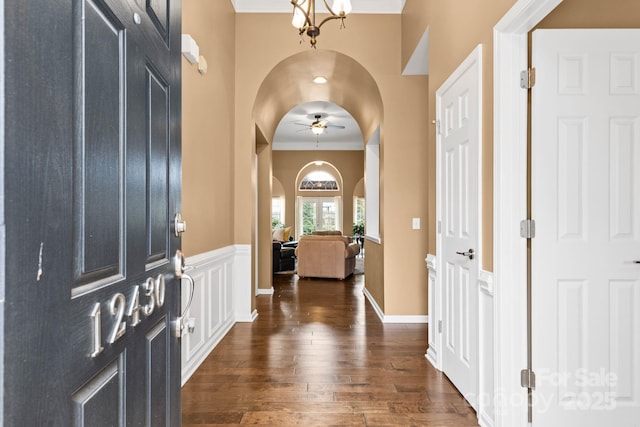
x,y
329,256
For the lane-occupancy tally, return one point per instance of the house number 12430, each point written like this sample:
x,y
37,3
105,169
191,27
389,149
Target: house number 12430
x,y
152,289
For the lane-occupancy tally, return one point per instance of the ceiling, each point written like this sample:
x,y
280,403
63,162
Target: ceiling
x,y
284,6
294,133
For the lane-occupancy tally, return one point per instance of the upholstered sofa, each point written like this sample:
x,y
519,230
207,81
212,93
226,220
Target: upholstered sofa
x,y
328,256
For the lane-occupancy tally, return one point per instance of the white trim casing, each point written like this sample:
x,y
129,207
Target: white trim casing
x,y
509,207
372,187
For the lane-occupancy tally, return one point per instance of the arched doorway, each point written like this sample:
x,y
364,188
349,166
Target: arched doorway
x,y
290,83
319,195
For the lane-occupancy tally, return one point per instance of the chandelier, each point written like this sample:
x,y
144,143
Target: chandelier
x,y
304,16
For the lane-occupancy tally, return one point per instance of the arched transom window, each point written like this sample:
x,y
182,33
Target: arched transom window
x,y
319,181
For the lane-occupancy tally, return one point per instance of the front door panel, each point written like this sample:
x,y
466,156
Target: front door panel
x,y
114,360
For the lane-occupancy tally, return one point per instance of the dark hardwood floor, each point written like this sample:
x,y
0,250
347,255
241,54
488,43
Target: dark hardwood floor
x,y
319,356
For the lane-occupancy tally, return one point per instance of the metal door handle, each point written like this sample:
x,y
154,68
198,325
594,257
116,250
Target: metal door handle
x,y
179,264
469,253
180,324
636,261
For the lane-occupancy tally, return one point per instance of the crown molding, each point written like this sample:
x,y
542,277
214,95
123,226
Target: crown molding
x,y
284,6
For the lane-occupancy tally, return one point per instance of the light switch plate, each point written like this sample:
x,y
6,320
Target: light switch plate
x,y
415,223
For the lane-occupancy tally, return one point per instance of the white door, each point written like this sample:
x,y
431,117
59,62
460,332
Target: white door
x,y
586,204
458,110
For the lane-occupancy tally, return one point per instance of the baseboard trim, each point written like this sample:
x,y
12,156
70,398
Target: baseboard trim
x,y
266,291
406,319
393,318
484,421
432,357
249,319
374,304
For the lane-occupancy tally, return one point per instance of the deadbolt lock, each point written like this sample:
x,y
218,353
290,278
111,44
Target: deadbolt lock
x,y
179,225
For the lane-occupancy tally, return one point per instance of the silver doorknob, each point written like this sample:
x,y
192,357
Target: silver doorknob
x,y
469,253
179,225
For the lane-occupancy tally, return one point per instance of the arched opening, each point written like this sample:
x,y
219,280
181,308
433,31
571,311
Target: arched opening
x,y
290,84
319,197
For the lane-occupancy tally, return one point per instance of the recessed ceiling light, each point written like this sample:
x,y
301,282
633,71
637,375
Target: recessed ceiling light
x,y
320,80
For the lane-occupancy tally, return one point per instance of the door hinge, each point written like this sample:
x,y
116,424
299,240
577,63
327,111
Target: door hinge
x,y
528,78
527,228
439,326
528,379
437,127
439,227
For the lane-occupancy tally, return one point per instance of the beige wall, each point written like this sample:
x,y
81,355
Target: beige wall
x,y
277,190
265,264
207,127
358,191
594,14
350,165
452,37
373,260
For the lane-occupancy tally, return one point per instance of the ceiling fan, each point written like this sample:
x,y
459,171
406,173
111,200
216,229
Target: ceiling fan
x,y
319,125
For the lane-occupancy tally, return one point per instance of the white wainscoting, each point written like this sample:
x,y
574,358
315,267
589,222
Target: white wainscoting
x,y
222,296
486,384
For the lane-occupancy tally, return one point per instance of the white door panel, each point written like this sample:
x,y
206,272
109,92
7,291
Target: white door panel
x,y
586,204
459,115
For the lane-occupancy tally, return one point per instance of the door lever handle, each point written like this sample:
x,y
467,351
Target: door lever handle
x,y
181,324
469,253
636,261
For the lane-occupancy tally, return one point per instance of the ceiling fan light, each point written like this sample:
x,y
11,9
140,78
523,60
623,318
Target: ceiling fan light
x,y
320,80
317,130
300,16
341,7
